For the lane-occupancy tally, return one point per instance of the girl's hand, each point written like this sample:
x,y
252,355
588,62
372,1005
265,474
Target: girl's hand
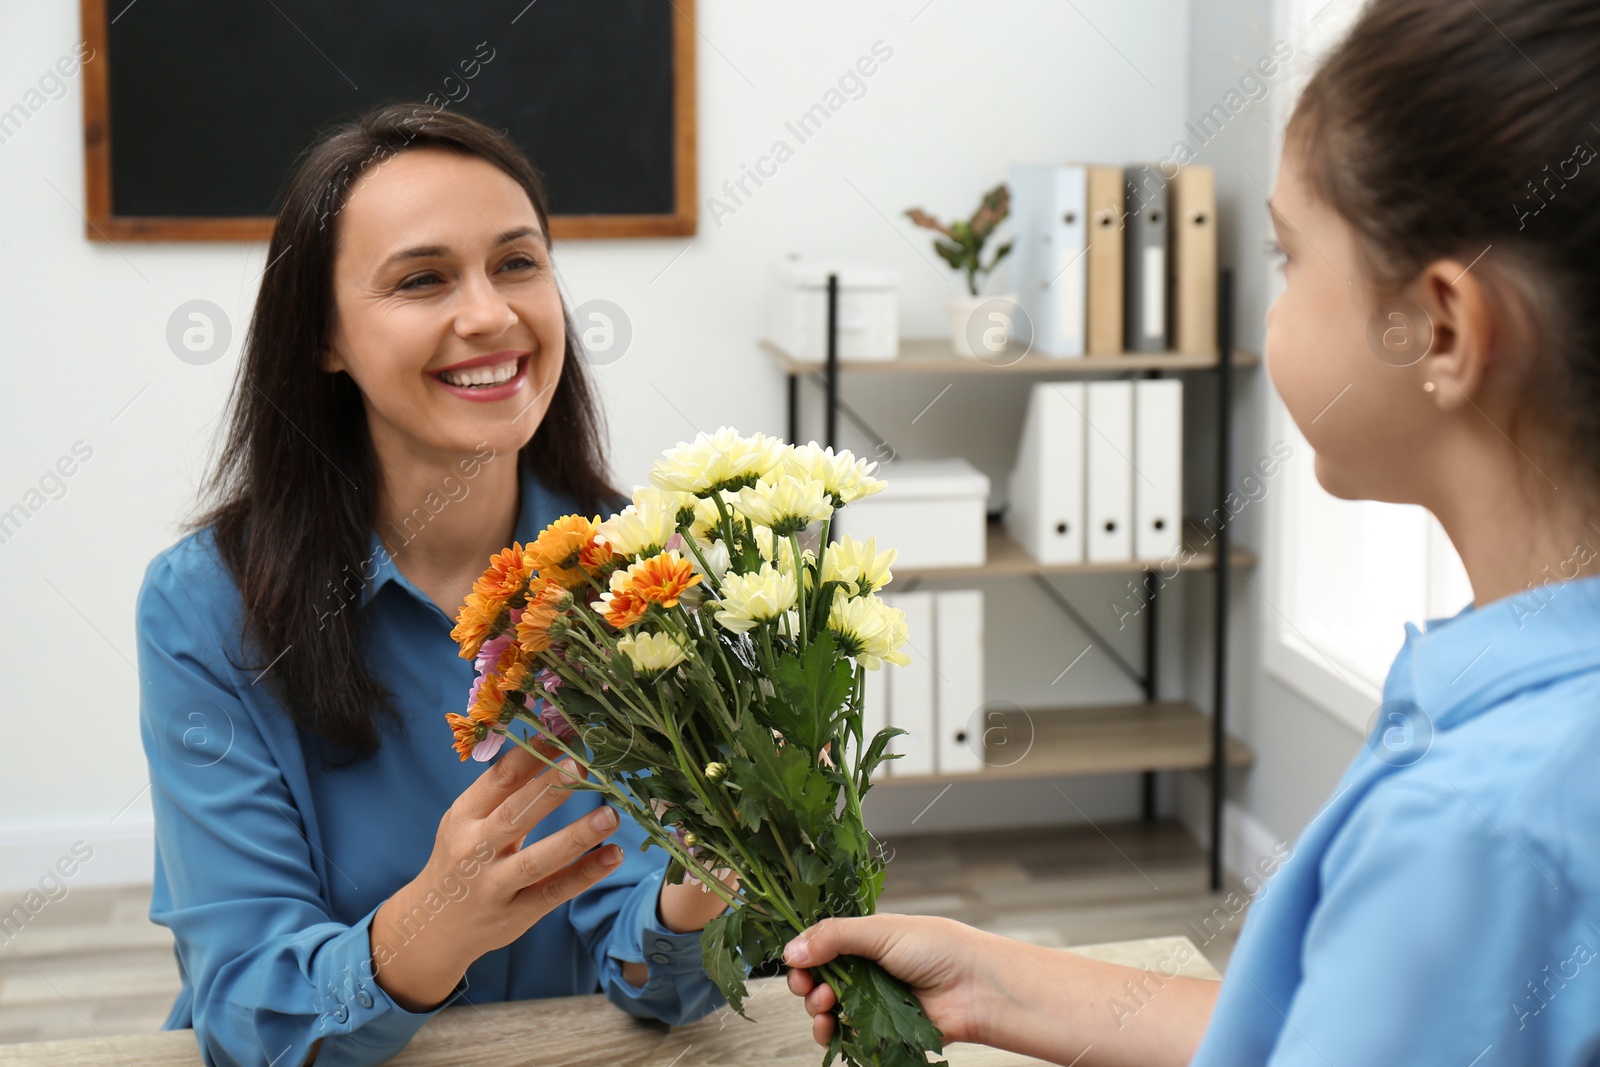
x,y
945,963
480,889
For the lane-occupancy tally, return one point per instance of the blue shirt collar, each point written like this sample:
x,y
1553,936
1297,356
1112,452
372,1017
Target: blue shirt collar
x,y
537,507
1468,663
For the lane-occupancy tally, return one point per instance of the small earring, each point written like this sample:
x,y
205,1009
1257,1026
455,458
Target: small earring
x,y
1427,387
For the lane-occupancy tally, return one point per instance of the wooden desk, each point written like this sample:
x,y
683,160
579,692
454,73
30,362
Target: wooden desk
x,y
589,1031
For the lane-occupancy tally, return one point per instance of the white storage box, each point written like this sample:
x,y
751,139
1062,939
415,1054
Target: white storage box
x,y
869,311
933,511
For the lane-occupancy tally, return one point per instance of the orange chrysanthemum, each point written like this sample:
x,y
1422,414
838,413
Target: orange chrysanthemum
x,y
467,732
508,574
661,579
513,677
596,556
475,622
534,629
621,606
558,551
490,702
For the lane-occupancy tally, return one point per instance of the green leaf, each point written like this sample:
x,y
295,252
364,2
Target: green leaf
x,y
883,1020
816,688
719,956
876,753
951,253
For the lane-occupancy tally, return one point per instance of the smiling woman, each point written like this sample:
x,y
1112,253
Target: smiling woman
x,y
408,331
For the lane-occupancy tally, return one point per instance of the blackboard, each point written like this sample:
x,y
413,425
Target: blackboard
x,y
195,110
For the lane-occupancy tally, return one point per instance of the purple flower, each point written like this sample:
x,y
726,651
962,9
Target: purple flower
x,y
489,654
554,722
484,750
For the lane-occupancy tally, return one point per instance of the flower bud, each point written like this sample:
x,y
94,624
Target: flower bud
x,y
715,771
691,839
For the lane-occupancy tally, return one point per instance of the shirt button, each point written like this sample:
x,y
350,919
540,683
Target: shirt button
x,y
342,1014
659,957
663,944
364,999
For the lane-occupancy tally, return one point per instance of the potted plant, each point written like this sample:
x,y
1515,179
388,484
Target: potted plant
x,y
960,244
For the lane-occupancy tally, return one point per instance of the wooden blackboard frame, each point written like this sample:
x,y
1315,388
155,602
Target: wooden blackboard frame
x,y
102,225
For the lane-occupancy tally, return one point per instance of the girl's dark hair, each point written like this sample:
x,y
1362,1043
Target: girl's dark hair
x,y
294,487
1439,128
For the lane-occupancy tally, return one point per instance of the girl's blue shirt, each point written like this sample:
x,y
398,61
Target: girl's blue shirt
x,y
1444,906
270,864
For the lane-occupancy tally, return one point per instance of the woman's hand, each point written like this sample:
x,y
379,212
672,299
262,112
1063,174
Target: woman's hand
x,y
945,963
480,889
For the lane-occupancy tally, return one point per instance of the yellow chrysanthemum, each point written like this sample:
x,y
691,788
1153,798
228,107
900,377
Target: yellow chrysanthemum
x,y
651,653
750,599
722,460
640,530
858,564
869,630
786,504
778,550
558,552
844,477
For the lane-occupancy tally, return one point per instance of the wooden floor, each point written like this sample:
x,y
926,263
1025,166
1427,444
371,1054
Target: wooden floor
x,y
92,962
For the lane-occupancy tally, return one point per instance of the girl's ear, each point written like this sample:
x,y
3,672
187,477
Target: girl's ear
x,y
1469,333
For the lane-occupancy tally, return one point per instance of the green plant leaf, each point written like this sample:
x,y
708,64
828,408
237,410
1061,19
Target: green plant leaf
x,y
720,958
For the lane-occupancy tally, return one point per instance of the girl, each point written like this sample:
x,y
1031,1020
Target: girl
x,y
1440,167
411,399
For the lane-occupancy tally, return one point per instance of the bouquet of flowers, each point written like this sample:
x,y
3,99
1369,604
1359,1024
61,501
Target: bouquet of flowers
x,y
707,668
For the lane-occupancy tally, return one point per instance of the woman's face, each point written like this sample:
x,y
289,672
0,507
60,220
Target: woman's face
x,y
447,314
1337,355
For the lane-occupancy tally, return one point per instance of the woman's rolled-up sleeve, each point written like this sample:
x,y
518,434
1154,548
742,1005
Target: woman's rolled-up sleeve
x,y
618,923
271,973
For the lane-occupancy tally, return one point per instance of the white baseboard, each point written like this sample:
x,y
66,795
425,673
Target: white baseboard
x,y
1248,846
119,853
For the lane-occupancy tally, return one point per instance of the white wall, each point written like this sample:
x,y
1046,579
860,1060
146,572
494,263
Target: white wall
x,y
970,87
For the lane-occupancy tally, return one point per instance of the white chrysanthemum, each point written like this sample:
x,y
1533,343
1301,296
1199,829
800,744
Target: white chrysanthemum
x,y
639,530
779,551
869,630
749,599
676,503
716,557
844,477
651,653
858,564
719,460
787,504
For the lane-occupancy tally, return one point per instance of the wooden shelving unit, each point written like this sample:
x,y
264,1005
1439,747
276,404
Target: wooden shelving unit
x,y
1145,738
1100,739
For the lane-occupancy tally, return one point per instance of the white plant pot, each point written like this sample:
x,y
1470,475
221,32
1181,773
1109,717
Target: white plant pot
x,y
992,335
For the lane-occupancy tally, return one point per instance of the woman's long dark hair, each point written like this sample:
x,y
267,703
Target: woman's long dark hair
x,y
1445,129
294,487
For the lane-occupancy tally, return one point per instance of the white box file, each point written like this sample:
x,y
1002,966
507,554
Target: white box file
x,y
1158,458
1045,511
958,680
911,688
1048,206
1109,477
